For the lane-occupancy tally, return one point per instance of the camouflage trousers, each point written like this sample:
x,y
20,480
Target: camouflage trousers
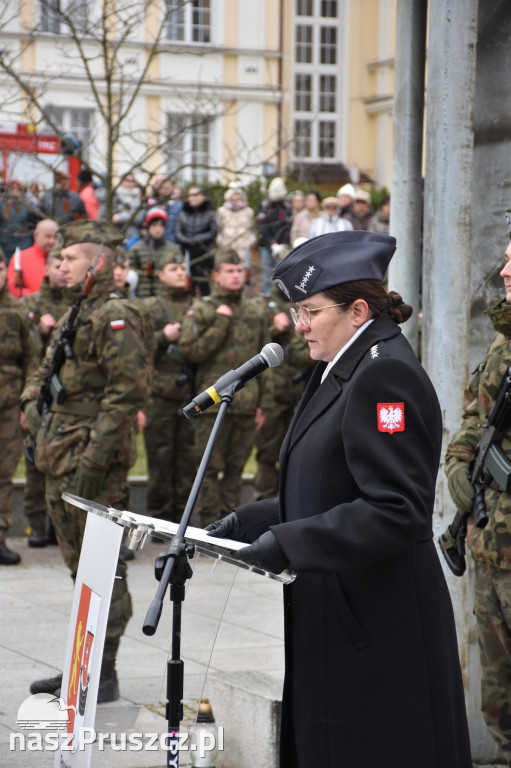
x,y
34,503
221,489
11,441
268,442
170,459
69,523
492,607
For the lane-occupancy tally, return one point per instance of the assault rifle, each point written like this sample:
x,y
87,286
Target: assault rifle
x,y
487,464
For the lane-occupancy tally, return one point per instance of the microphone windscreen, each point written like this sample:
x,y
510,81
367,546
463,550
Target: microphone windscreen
x,y
273,354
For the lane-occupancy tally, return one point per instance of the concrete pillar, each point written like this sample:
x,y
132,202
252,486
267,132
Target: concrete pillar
x,y
406,190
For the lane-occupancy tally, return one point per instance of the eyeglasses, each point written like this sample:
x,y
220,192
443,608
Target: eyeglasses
x,y
303,314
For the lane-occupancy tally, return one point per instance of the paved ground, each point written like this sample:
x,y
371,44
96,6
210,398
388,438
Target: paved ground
x,y
35,600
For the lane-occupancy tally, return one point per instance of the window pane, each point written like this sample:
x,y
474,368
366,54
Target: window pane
x,y
175,28
302,138
201,21
200,148
304,7
329,9
303,87
77,11
326,139
327,93
176,126
303,44
50,16
328,45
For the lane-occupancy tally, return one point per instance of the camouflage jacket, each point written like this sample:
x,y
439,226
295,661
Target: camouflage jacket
x,y
106,383
493,543
217,343
18,353
285,383
46,300
144,257
172,372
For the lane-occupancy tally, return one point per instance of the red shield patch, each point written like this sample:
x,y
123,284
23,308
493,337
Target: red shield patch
x,y
391,417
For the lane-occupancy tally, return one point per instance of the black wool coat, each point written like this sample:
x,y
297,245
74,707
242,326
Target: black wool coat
x,y
372,669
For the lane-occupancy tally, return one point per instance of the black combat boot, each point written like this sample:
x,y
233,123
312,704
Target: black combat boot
x,y
48,685
38,538
7,556
108,684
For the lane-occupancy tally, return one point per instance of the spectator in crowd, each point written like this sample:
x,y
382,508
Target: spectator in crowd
x,y
44,308
86,444
27,269
17,349
297,201
87,194
145,254
128,211
273,220
346,197
17,220
381,220
329,221
302,221
163,196
362,208
60,203
168,434
219,333
196,231
235,221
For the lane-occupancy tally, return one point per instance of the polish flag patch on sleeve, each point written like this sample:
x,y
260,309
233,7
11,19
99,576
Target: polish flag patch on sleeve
x,y
117,325
391,417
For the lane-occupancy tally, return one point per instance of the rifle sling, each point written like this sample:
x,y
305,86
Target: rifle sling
x,y
74,408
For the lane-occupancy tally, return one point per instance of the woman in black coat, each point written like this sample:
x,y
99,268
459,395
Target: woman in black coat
x,y
372,670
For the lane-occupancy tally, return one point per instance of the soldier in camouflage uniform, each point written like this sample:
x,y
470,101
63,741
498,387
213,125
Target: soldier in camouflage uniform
x,y
220,332
17,357
284,386
87,444
490,546
44,309
168,434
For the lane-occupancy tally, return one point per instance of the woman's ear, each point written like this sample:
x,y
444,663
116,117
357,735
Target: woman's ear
x,y
360,312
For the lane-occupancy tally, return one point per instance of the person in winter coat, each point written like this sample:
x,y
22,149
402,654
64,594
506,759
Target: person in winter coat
x,y
329,221
195,232
372,670
235,221
274,220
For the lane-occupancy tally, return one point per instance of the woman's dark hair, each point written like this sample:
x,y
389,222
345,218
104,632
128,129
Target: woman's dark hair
x,y
378,300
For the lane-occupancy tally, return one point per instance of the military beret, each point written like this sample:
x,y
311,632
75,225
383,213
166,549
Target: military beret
x,y
227,256
172,254
89,231
327,260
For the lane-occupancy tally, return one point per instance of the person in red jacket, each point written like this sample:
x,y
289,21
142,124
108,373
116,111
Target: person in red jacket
x,y
25,275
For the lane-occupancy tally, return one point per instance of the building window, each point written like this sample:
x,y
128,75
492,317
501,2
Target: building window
x,y
303,96
303,138
77,123
50,16
54,13
326,139
327,88
189,21
304,7
303,51
188,146
328,45
329,9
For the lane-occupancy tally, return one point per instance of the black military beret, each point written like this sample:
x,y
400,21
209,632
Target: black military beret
x,y
327,260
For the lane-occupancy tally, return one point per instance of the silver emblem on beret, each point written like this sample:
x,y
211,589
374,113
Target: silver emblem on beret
x,y
305,279
282,287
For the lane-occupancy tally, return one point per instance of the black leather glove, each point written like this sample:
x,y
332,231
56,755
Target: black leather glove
x,y
265,553
229,527
33,417
89,481
460,488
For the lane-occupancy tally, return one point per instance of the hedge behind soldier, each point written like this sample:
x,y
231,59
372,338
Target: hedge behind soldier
x,y
17,356
220,332
168,434
87,444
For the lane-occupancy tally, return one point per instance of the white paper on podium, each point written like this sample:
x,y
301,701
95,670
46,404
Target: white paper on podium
x,y
86,636
140,526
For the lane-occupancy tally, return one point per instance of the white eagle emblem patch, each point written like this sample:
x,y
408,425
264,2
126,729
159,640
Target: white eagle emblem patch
x,y
391,417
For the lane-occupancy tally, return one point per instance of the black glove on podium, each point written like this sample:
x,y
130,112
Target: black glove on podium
x,y
229,527
265,553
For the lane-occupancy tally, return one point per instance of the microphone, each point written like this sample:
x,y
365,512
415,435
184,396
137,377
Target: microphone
x,y
270,356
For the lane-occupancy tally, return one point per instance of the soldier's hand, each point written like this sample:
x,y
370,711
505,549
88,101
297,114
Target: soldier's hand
x,y
265,553
33,417
460,488
89,481
229,527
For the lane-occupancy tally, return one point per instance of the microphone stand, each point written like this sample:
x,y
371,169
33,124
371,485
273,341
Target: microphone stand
x,y
172,568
